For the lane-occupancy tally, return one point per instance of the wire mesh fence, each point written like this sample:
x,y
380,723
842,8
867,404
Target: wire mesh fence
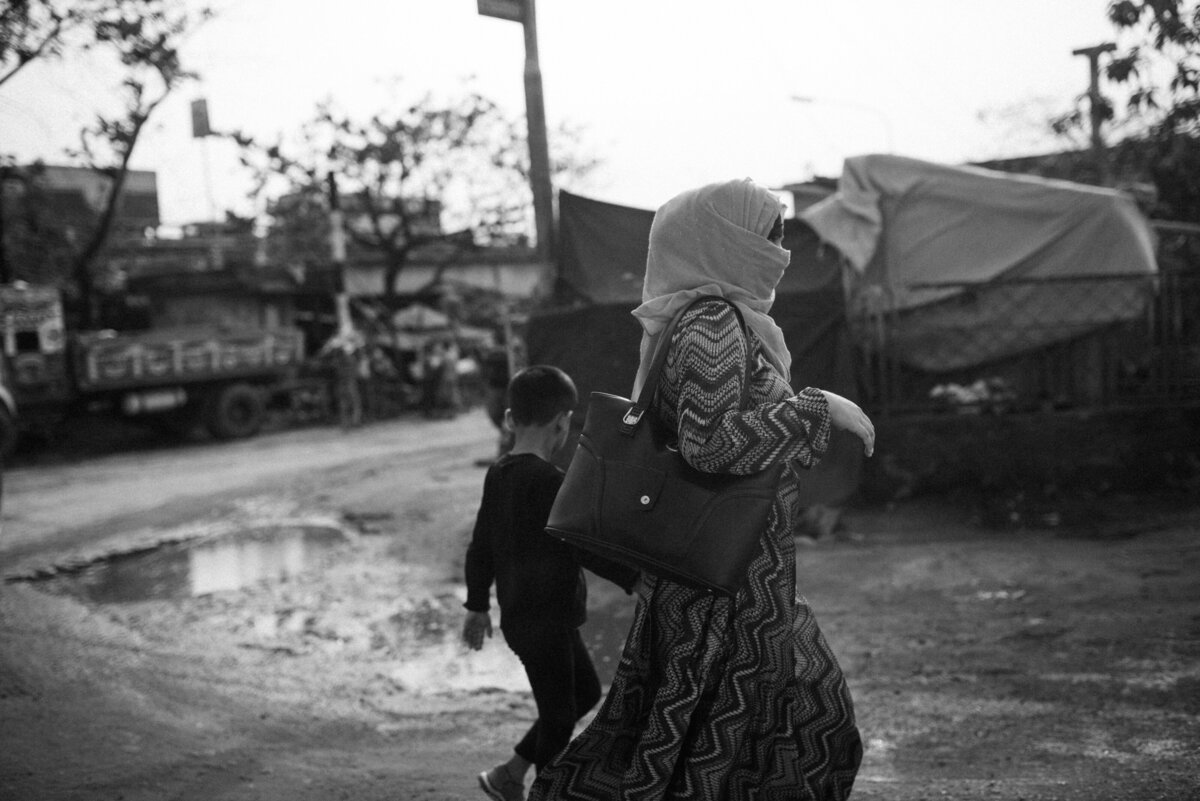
x,y
1079,342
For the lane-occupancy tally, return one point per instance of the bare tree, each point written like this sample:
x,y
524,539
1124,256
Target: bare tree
x,y
43,30
34,29
144,38
453,172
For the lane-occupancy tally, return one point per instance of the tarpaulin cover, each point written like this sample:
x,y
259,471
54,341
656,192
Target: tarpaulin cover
x,y
589,330
602,249
907,224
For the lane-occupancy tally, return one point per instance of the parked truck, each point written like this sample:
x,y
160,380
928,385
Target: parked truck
x,y
222,378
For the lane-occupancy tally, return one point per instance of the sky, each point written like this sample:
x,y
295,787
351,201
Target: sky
x,y
669,94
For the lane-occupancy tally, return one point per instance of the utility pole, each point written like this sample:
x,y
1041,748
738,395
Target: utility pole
x,y
525,12
1096,106
337,252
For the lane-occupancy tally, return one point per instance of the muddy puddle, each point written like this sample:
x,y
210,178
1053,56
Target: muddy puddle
x,y
442,664
431,658
187,570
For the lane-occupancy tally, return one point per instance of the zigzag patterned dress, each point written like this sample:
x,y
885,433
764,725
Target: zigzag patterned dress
x,y
719,699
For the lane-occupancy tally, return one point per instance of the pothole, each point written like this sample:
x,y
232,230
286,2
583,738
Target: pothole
x,y
193,568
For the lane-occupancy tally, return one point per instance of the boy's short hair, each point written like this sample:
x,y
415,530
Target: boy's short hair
x,y
537,393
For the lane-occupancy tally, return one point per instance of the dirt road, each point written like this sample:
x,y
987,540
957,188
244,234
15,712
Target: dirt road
x,y
985,664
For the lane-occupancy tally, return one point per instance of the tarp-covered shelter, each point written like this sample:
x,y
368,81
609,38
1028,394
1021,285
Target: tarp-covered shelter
x,y
925,235
588,329
419,317
416,324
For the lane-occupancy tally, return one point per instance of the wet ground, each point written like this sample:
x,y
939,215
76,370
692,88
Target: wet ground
x,y
271,556
190,569
279,619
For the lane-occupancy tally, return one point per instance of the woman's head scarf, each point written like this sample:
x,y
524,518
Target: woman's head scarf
x,y
713,241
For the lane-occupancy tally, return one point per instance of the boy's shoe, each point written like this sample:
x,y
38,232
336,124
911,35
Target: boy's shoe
x,y
499,784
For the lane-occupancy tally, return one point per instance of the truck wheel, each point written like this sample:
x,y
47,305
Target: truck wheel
x,y
235,411
8,433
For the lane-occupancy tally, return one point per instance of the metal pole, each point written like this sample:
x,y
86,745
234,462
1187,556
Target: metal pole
x,y
539,153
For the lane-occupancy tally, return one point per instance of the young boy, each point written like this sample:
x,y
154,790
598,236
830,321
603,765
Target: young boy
x,y
539,585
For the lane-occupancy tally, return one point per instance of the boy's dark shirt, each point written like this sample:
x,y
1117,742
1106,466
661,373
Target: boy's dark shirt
x,y
538,577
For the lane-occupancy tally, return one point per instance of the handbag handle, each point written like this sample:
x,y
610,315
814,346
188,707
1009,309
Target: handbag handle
x,y
634,416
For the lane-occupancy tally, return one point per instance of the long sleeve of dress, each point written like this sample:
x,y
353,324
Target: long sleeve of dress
x,y
707,367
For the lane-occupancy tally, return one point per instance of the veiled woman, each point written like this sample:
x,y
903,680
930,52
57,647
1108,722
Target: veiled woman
x,y
722,699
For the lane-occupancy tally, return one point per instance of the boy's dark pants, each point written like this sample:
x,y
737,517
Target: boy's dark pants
x,y
564,683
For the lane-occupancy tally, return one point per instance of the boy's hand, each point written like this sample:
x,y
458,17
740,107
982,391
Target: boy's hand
x,y
475,626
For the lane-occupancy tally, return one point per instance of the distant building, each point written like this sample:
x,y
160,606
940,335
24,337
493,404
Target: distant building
x,y
507,272
301,228
195,248
74,197
50,214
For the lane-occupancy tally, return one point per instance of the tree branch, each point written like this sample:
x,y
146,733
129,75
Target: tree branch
x,y
26,58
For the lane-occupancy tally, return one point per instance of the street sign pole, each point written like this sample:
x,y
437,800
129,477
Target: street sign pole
x,y
525,12
539,149
511,10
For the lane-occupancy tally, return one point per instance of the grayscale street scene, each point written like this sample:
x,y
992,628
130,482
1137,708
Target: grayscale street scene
x,y
298,300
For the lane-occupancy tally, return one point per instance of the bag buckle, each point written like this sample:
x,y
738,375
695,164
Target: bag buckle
x,y
631,418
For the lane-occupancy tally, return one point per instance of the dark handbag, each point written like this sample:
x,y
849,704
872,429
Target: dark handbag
x,y
629,496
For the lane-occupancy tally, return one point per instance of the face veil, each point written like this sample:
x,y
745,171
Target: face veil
x,y
713,241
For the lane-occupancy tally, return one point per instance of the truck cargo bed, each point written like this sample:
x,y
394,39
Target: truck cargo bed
x,y
105,361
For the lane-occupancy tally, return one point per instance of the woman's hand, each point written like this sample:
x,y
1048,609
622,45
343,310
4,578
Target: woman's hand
x,y
846,415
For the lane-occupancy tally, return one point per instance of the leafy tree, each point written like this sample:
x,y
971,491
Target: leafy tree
x,y
143,37
35,29
1161,64
449,173
1156,65
1162,41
